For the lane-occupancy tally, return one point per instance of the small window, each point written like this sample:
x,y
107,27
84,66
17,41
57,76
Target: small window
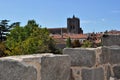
x,y
73,27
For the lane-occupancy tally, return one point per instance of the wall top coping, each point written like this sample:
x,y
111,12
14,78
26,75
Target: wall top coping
x,y
112,47
84,48
29,57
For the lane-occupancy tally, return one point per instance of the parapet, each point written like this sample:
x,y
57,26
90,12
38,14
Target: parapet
x,y
82,56
35,67
110,40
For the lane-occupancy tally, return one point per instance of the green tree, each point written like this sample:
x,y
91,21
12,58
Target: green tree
x,y
76,43
68,43
5,28
86,44
29,39
2,49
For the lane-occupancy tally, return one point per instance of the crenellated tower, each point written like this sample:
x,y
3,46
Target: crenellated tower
x,y
73,25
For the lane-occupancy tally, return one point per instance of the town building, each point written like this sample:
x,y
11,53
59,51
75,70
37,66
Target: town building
x,y
73,31
61,39
113,32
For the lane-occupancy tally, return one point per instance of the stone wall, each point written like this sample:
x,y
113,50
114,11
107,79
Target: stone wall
x,y
35,67
102,63
109,40
85,63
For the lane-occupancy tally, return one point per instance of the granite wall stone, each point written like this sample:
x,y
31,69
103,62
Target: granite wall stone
x,y
81,56
55,68
116,70
109,40
16,70
92,74
76,73
104,56
108,72
35,67
110,54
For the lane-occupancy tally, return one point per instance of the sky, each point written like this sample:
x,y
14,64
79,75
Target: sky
x,y
94,15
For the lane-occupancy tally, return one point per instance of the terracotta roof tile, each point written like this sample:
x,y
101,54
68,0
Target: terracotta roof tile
x,y
72,36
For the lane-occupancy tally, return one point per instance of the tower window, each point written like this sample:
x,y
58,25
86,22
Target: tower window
x,y
72,27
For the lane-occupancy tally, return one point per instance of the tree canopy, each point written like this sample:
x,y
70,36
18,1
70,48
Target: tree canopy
x,y
5,28
29,39
68,43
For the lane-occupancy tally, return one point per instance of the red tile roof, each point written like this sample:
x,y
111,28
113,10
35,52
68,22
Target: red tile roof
x,y
72,36
114,32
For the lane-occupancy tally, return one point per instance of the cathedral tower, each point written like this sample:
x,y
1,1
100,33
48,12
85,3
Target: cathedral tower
x,y
73,25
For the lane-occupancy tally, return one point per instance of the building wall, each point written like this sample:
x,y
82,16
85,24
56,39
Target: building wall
x,y
57,30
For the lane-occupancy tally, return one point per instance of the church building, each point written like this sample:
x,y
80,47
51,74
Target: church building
x,y
73,26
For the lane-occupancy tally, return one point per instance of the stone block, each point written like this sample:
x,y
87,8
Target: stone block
x,y
110,55
111,78
81,56
108,72
35,67
109,40
92,74
55,68
104,56
75,73
16,70
116,71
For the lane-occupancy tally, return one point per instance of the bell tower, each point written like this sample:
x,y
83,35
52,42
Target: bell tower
x,y
73,25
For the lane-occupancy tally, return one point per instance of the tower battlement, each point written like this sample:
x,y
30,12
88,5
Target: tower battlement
x,y
73,25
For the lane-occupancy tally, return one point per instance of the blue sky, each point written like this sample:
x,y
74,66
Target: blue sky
x,y
95,15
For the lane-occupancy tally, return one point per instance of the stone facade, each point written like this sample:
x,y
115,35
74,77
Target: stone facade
x,y
73,25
